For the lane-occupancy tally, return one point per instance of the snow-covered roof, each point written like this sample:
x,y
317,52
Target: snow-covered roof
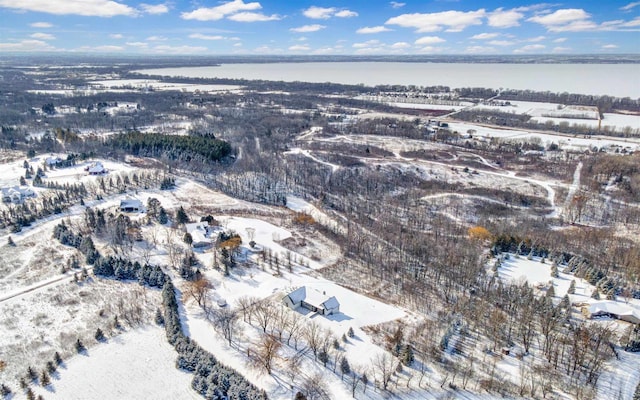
x,y
53,160
314,298
615,308
130,203
96,167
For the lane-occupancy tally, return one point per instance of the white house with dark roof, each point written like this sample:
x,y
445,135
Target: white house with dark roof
x,y
96,169
313,300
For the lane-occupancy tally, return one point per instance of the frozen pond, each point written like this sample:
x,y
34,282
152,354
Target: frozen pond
x,y
620,80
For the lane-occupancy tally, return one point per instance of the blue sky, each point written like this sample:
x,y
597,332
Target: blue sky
x,y
209,27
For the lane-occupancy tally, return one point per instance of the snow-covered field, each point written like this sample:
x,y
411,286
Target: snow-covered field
x,y
152,84
137,364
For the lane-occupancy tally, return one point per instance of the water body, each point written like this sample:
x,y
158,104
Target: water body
x,y
620,80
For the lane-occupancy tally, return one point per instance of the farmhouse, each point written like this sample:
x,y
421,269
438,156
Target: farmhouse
x,y
612,309
52,161
96,169
16,194
313,300
130,205
199,232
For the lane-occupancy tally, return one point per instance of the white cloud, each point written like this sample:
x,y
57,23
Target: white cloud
x,y
560,40
529,48
400,45
368,43
180,49
237,45
108,49
308,28
26,45
156,39
501,43
300,47
536,39
325,50
41,25
373,29
565,20
484,36
395,4
206,37
315,12
480,49
429,40
43,36
430,49
116,36
561,49
455,21
154,9
253,17
221,11
137,44
505,19
630,6
88,8
609,46
346,14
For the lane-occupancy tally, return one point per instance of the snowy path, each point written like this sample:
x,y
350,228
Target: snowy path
x,y
574,185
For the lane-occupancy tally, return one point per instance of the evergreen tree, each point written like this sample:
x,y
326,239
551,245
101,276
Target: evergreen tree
x,y
5,390
159,317
344,338
99,335
554,271
595,294
187,238
10,241
79,346
406,355
163,218
51,367
57,358
31,373
300,396
350,333
551,291
23,383
44,378
30,394
572,287
181,216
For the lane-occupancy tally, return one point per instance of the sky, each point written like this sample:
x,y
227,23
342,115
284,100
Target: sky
x,y
357,27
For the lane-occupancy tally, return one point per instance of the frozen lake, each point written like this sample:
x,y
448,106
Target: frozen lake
x,y
620,80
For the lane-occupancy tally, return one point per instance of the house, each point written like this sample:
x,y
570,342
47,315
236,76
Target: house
x,y
16,194
199,232
96,169
131,205
52,161
612,309
313,300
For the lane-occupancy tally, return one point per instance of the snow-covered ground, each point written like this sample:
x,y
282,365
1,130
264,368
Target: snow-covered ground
x,y
137,364
152,84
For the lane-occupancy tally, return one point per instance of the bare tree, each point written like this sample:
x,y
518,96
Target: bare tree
x,y
294,364
264,354
246,305
315,388
224,321
314,336
263,313
199,291
384,365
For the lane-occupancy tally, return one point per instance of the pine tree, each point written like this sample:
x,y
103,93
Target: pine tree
x,y
5,390
30,394
595,294
57,358
350,333
554,271
99,335
572,287
10,241
406,354
159,317
31,373
51,367
551,292
300,396
79,346
188,239
181,216
44,378
23,383
344,338
163,218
